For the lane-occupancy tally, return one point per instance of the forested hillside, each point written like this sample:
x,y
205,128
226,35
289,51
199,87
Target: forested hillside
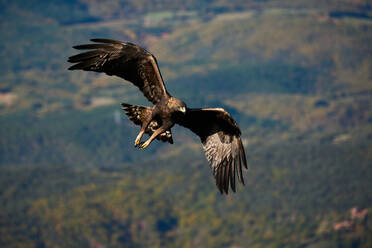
x,y
296,76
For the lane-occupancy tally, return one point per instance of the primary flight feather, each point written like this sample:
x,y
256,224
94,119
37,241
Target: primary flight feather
x,y
218,131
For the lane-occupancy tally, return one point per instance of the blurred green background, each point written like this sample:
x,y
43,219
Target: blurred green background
x,y
296,75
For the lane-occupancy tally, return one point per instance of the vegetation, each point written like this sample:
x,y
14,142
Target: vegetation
x,y
296,77
289,200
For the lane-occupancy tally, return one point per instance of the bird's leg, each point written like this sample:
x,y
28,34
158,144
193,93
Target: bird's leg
x,y
153,136
138,138
140,134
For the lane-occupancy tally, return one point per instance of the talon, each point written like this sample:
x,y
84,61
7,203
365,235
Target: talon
x,y
143,145
137,141
139,145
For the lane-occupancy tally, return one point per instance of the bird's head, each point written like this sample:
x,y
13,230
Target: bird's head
x,y
177,105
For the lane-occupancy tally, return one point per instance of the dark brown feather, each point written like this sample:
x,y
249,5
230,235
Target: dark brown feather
x,y
219,179
85,56
220,136
125,60
104,40
92,46
240,171
137,115
84,64
232,175
226,176
242,154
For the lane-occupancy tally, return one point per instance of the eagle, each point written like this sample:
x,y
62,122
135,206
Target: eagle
x,y
218,131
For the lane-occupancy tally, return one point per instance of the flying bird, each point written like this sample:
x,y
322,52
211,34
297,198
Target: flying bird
x,y
218,131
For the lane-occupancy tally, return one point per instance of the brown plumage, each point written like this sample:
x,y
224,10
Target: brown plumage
x,y
218,131
138,113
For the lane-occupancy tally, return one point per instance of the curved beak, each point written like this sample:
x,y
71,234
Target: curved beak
x,y
183,110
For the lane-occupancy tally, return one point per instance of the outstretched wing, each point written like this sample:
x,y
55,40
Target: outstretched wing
x,y
220,136
137,114
125,60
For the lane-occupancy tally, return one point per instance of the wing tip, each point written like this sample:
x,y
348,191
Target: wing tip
x,y
223,178
105,40
72,68
78,47
78,66
125,105
232,164
242,153
83,47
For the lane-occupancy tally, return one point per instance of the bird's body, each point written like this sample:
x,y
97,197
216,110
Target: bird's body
x,y
165,113
218,131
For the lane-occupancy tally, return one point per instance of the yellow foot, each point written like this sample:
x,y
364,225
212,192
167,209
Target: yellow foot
x,y
144,145
137,141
